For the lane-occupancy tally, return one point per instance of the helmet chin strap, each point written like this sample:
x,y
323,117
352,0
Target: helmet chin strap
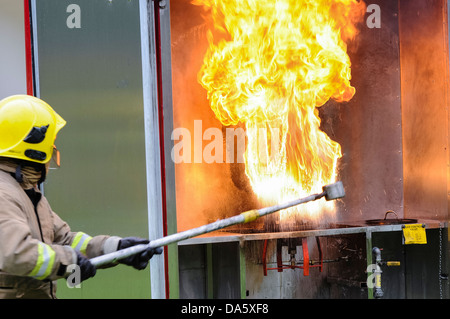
x,y
18,174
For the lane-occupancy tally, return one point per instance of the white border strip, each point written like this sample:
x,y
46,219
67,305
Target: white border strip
x,y
152,149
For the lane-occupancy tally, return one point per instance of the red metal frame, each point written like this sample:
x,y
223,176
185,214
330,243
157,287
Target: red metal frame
x,y
28,48
306,261
161,138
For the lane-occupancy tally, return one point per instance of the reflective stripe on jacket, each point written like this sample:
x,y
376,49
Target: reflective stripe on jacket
x,y
36,244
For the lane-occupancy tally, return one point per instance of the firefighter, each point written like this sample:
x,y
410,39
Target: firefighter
x,y
36,246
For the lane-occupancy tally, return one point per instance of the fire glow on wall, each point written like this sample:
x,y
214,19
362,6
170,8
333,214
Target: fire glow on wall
x,y
267,68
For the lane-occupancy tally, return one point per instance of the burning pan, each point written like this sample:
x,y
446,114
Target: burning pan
x,y
390,221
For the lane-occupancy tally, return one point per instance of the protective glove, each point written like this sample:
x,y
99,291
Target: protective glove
x,y
138,261
87,270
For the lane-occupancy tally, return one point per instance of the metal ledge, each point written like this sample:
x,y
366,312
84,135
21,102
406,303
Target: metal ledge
x,y
341,229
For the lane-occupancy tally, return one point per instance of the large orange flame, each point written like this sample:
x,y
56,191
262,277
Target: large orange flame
x,y
273,65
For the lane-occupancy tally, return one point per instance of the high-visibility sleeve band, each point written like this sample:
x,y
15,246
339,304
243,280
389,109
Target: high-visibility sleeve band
x,y
44,263
250,216
80,242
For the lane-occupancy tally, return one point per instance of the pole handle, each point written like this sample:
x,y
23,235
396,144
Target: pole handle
x,y
238,219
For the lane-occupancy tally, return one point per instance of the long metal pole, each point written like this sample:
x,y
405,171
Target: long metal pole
x,y
238,219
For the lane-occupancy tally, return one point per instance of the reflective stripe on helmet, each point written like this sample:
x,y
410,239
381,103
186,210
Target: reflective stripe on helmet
x,y
80,242
44,263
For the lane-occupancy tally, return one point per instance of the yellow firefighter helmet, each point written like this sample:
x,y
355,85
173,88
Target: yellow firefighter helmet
x,y
28,128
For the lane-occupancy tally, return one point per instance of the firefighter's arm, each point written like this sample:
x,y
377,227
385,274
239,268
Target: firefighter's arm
x,y
82,242
102,244
22,255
